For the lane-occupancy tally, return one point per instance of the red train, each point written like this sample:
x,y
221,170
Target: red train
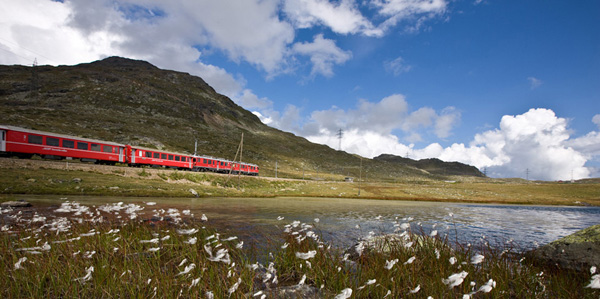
x,y
25,143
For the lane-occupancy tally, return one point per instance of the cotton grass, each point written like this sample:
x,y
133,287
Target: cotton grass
x,y
116,250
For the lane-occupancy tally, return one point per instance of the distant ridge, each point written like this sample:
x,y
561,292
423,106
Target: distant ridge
x,y
433,165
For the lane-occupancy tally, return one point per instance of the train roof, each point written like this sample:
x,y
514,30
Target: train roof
x,y
14,128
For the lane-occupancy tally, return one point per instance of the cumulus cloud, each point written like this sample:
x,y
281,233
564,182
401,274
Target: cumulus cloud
x,y
370,128
324,54
536,143
342,17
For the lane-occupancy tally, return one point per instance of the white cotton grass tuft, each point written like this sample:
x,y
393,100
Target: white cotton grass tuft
x,y
390,264
410,260
346,293
187,231
595,282
452,260
478,258
191,241
234,287
487,287
194,282
19,262
455,279
302,280
154,249
88,275
187,269
433,233
415,290
307,255
153,241
593,270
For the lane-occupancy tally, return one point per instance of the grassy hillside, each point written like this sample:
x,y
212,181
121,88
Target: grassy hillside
x,y
129,101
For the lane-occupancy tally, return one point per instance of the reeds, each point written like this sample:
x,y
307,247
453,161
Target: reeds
x,y
129,250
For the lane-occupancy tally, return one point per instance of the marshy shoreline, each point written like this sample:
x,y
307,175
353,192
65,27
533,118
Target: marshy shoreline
x,y
126,249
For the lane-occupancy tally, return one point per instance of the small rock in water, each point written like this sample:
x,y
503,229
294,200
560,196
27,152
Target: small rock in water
x,y
76,180
194,192
16,204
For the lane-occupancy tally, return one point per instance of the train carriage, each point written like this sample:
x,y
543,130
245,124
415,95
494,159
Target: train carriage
x,y
26,143
138,156
206,163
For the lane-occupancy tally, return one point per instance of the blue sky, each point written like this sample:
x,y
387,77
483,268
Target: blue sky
x,y
501,85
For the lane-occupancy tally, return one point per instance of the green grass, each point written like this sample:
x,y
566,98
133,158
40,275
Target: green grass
x,y
50,177
54,256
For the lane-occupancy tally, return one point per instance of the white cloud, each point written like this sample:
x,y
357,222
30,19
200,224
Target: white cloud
x,y
397,66
536,143
343,17
596,120
534,82
397,11
324,54
369,128
249,100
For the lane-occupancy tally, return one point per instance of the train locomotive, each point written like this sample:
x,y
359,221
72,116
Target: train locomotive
x,y
25,143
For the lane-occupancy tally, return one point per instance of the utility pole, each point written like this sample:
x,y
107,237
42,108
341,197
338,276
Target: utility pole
x,y
275,168
339,134
527,174
359,176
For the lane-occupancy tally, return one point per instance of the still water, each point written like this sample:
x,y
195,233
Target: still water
x,y
343,221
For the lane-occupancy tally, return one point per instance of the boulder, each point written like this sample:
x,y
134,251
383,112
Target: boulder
x,y
16,204
578,251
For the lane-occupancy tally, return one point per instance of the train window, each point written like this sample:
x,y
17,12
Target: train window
x,y
170,157
52,141
35,139
156,156
82,145
163,156
177,158
148,154
95,147
141,153
68,143
107,149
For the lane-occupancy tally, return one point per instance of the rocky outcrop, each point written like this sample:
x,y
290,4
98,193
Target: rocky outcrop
x,y
578,251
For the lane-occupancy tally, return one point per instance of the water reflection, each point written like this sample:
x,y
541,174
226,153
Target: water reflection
x,y
343,221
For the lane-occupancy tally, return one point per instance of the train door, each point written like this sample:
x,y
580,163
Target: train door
x,y
121,156
2,140
133,155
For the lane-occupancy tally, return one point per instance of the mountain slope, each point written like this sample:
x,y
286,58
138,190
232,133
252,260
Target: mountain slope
x,y
131,101
433,166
